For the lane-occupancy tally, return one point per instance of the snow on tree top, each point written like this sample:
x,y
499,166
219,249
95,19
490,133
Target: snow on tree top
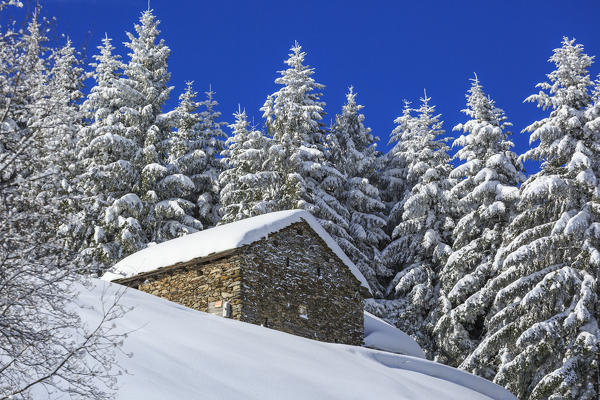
x,y
222,238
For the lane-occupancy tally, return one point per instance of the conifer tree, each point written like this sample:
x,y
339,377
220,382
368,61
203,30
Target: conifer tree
x,y
420,242
293,119
132,219
105,157
212,143
57,151
57,118
247,185
66,84
394,183
25,97
352,151
306,180
177,209
484,201
542,330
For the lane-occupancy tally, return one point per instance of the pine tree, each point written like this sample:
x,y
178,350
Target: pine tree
x,y
59,124
106,155
176,210
394,183
542,332
352,151
420,242
25,93
65,85
133,217
306,180
52,88
485,198
247,186
103,159
213,143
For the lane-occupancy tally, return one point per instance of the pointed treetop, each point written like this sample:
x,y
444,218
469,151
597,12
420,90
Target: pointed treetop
x,y
481,107
351,106
296,58
402,122
188,96
240,111
569,82
148,29
241,121
425,110
350,96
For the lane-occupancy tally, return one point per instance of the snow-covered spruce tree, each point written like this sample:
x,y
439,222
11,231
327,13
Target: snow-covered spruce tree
x,y
212,141
352,151
43,344
66,83
420,242
25,71
133,219
293,118
484,200
57,165
542,330
106,155
104,169
394,184
51,81
187,160
592,128
247,186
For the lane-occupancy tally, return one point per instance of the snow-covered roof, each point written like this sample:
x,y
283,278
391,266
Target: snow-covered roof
x,y
222,238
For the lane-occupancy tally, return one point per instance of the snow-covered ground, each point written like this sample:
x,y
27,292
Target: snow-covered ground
x,y
180,353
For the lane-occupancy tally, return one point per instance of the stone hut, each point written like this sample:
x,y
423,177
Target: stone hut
x,y
280,270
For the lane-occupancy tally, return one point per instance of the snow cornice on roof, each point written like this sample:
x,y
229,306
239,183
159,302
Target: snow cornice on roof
x,y
220,239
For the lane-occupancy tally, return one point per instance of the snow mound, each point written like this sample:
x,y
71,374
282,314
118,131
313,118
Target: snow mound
x,y
180,353
383,336
222,238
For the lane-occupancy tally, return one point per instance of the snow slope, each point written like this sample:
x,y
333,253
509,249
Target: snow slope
x,y
180,353
383,336
221,238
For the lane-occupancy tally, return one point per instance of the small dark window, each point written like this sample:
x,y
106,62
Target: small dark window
x,y
319,272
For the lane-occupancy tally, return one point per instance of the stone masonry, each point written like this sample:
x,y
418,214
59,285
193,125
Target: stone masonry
x,y
290,281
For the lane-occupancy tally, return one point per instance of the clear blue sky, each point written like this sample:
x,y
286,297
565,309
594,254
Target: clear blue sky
x,y
389,50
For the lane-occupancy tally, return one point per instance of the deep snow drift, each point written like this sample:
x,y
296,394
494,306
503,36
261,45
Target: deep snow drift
x,y
180,353
383,336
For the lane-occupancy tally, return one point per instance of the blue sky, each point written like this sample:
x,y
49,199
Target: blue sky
x,y
389,51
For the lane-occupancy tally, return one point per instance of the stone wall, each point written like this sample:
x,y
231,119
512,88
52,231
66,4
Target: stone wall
x,y
290,281
294,283
198,284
